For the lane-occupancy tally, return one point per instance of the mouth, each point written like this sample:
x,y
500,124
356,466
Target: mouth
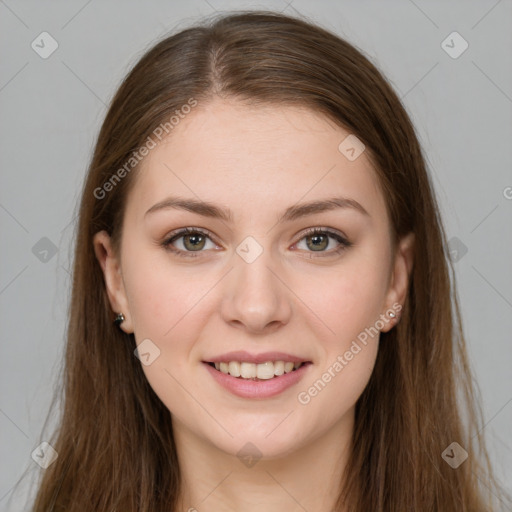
x,y
246,371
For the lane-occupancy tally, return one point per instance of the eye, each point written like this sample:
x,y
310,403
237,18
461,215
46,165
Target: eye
x,y
192,240
318,240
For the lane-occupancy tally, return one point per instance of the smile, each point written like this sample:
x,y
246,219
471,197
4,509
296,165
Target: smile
x,y
257,380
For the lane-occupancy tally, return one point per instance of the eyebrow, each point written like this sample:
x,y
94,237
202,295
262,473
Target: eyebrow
x,y
207,209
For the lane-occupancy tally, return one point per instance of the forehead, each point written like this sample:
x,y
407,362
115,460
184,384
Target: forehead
x,y
255,159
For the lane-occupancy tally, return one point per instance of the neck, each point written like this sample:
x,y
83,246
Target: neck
x,y
309,478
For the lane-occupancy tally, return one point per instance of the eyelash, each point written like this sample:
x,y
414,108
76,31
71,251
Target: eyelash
x,y
167,243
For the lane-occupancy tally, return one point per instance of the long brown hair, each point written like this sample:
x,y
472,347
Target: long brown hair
x,y
114,438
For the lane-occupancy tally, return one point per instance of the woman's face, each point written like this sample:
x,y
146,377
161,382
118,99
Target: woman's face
x,y
249,284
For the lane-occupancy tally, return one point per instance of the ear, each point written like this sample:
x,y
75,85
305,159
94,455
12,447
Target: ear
x,y
399,282
114,284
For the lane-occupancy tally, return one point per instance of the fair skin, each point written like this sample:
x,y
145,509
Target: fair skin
x,y
292,298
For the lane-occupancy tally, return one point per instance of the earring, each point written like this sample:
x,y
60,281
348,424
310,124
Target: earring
x,y
392,315
119,319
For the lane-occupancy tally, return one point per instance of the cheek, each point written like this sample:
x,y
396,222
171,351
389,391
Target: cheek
x,y
349,303
349,306
331,394
165,304
161,295
347,300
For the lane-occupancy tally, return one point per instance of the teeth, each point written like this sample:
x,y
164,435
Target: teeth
x,y
234,368
247,370
278,368
265,370
262,371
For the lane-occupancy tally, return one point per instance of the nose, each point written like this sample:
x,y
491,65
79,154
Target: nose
x,y
256,298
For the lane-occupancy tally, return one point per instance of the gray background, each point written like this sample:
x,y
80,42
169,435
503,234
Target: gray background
x,y
52,109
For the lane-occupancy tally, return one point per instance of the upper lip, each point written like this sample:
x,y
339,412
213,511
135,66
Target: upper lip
x,y
247,357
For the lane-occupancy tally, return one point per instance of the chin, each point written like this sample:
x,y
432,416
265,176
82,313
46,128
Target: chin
x,y
268,439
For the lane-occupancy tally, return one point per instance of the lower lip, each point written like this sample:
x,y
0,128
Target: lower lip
x,y
247,388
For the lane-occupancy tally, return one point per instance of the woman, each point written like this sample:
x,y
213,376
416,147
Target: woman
x,y
262,316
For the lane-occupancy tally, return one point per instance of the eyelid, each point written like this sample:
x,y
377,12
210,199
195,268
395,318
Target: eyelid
x,y
325,230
